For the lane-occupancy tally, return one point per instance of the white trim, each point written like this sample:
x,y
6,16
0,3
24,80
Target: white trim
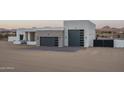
x,y
31,42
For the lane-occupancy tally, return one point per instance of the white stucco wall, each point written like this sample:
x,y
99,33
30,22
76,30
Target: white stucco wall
x,y
11,38
118,43
87,26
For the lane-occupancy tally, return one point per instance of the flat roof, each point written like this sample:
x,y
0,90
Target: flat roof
x,y
41,29
35,29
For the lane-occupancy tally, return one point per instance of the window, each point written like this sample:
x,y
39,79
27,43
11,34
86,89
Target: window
x,y
21,37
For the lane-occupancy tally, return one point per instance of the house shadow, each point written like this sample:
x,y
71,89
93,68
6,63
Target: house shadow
x,y
56,49
45,48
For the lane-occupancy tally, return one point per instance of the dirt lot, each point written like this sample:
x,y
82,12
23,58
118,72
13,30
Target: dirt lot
x,y
30,58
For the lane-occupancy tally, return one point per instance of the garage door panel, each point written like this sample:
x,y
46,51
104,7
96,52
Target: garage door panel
x,y
76,38
49,41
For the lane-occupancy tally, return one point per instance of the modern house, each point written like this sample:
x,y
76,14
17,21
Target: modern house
x,y
73,33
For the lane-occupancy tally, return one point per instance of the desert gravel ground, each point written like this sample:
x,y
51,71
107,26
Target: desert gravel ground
x,y
23,58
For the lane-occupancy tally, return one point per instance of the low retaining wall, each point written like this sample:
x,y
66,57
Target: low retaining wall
x,y
17,42
31,43
11,38
118,43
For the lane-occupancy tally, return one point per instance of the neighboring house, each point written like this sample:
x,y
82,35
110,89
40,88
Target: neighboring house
x,y
110,33
109,37
74,33
5,33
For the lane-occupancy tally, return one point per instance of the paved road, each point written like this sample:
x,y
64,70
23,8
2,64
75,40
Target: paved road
x,y
32,58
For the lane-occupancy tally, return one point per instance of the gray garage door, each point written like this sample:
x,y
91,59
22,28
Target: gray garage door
x,y
49,41
76,37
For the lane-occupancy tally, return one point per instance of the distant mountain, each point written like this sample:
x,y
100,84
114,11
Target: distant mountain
x,y
7,30
106,27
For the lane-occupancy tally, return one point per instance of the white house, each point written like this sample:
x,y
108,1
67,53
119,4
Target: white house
x,y
79,33
75,33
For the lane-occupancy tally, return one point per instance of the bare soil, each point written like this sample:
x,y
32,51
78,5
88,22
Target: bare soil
x,y
22,58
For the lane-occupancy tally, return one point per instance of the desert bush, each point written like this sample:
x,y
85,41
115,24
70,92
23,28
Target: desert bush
x,y
3,36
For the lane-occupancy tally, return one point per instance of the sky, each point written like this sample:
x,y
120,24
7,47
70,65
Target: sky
x,y
54,23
